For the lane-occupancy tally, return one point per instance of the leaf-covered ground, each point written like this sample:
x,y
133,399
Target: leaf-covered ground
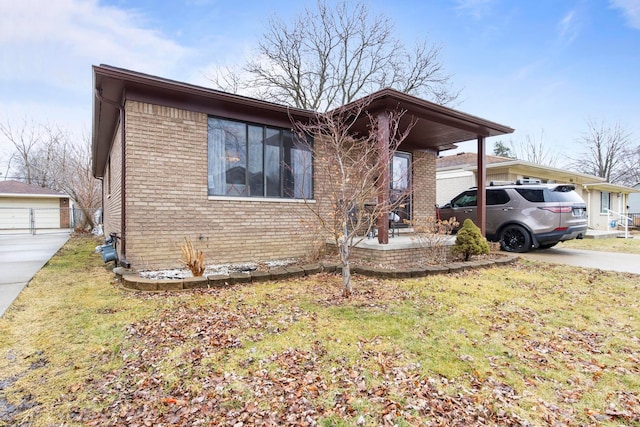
x,y
522,345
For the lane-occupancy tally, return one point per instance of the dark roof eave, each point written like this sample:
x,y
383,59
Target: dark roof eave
x,y
119,80
186,88
393,99
390,98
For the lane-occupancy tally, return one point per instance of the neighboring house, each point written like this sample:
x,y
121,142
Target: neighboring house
x,y
458,172
28,208
634,201
181,161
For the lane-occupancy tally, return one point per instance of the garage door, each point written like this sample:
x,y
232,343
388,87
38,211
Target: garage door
x,y
27,214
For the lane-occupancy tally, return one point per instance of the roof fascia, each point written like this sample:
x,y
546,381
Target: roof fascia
x,y
391,99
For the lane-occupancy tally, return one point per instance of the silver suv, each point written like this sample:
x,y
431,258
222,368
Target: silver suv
x,y
524,216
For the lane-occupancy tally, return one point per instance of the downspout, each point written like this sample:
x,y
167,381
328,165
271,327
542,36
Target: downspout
x,y
123,206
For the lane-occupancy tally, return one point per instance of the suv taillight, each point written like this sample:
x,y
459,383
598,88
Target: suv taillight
x,y
558,209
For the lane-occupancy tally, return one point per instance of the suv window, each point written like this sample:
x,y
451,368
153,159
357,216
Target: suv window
x,y
468,198
565,194
534,195
497,197
558,194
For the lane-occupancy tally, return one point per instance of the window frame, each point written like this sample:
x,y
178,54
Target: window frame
x,y
288,146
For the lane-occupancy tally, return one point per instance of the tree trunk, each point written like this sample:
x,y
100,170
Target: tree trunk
x,y
87,220
346,269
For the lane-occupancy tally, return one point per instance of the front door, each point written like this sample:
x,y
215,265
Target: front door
x,y
400,194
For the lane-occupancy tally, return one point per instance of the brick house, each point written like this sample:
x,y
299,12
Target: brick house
x,y
181,161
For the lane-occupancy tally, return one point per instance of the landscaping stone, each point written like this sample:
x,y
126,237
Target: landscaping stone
x,y
131,280
279,273
331,267
310,269
417,272
456,266
481,263
295,271
235,278
260,276
218,280
169,284
402,273
142,284
506,259
195,283
435,269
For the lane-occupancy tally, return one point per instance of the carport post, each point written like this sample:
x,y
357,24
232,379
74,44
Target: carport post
x,y
383,179
482,180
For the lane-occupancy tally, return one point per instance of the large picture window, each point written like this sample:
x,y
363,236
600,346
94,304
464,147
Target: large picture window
x,y
250,160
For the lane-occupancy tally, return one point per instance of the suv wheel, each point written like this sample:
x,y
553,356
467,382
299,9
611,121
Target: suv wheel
x,y
514,238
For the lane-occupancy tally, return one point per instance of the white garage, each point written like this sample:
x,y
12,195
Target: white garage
x,y
28,208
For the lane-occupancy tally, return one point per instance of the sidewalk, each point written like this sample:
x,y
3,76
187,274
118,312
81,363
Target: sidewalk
x,y
21,257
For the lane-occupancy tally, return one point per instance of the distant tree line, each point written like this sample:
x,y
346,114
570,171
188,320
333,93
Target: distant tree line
x,y
46,155
606,151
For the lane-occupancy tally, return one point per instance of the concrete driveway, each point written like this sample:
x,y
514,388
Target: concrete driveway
x,y
628,263
21,257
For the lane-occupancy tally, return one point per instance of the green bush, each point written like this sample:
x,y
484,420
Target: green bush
x,y
470,241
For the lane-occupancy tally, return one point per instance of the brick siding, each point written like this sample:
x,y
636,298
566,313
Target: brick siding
x,y
424,185
167,201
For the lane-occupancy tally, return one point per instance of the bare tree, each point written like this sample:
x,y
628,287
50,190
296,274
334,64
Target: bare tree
x,y
605,147
44,155
351,169
36,148
329,56
534,150
74,177
26,138
631,160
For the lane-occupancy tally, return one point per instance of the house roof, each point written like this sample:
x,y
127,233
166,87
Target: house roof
x,y
611,188
21,189
468,161
112,86
435,127
465,159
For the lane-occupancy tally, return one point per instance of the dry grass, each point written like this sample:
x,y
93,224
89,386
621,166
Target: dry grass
x,y
630,246
549,345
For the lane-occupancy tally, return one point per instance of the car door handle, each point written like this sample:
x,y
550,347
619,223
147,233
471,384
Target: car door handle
x,y
507,209
467,210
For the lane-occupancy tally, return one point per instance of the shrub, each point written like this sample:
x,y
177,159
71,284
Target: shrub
x,y
192,258
470,241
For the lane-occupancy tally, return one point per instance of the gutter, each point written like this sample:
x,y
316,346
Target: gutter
x,y
123,206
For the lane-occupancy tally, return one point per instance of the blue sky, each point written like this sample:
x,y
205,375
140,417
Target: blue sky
x,y
545,66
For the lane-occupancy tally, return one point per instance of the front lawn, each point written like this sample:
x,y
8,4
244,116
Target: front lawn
x,y
629,246
527,344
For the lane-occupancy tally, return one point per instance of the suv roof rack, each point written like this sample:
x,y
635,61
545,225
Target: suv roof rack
x,y
527,181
